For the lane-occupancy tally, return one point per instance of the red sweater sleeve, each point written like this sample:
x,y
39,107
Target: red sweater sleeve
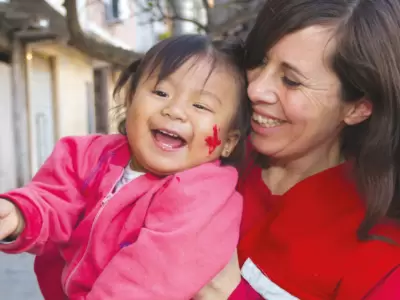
x,y
388,288
244,292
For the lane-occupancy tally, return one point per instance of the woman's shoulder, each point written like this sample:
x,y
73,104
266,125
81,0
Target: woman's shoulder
x,y
373,264
387,288
388,229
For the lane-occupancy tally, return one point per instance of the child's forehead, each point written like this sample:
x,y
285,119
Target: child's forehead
x,y
203,70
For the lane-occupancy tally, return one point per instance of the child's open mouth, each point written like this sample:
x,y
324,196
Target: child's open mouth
x,y
168,140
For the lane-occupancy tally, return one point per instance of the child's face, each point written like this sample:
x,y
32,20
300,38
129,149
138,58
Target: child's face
x,y
185,120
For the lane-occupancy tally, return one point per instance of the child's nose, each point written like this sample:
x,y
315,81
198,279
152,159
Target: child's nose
x,y
175,111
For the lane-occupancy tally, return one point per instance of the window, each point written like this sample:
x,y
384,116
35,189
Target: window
x,y
116,10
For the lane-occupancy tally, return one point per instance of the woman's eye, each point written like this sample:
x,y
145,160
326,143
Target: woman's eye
x,y
289,82
160,93
202,107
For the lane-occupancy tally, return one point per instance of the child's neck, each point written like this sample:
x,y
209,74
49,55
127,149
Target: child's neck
x,y
135,166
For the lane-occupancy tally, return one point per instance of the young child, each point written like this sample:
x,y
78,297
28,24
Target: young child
x,y
150,213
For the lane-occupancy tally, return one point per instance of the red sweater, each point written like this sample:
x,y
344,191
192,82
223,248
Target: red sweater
x,y
313,253
296,240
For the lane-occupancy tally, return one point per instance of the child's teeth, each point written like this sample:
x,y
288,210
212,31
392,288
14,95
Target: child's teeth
x,y
170,134
266,122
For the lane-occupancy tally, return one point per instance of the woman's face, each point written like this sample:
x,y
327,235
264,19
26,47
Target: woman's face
x,y
296,98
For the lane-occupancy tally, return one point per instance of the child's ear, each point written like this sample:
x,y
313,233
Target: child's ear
x,y
230,142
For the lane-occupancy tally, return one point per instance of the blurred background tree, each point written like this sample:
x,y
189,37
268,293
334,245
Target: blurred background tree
x,y
212,17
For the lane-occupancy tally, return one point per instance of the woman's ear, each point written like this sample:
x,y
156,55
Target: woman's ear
x,y
358,112
230,142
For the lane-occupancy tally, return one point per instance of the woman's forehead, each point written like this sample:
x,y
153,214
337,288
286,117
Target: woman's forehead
x,y
309,49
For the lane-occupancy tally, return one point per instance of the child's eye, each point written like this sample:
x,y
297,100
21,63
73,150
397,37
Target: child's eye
x,y
202,107
160,93
290,83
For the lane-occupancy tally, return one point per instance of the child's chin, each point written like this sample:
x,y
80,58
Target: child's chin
x,y
164,169
163,164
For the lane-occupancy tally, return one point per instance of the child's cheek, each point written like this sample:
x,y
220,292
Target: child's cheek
x,y
213,141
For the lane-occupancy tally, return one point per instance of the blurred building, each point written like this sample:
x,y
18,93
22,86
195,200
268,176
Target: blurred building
x,y
49,89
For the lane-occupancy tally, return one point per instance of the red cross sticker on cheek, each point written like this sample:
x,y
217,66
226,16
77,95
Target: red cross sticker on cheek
x,y
213,141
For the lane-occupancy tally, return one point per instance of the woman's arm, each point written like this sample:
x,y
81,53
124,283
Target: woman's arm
x,y
387,288
228,284
244,292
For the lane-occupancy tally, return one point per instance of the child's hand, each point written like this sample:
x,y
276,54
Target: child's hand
x,y
11,220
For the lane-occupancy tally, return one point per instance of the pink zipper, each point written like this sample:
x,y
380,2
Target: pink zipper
x,y
103,205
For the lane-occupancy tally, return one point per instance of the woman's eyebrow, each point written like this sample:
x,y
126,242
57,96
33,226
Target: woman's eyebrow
x,y
293,68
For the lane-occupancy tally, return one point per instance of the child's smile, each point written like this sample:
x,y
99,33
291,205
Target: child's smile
x,y
169,122
168,140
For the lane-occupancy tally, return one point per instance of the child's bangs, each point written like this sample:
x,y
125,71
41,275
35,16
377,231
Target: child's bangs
x,y
168,56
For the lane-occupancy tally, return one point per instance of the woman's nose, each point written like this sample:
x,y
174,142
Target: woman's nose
x,y
263,88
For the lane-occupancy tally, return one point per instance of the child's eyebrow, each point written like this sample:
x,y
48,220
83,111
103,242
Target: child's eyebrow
x,y
208,93
201,91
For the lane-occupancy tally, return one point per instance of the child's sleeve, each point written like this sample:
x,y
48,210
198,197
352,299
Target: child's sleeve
x,y
51,202
190,234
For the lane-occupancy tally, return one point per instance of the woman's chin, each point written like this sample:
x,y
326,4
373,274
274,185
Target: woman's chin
x,y
265,146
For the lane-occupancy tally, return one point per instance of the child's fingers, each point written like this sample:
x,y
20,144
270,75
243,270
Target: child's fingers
x,y
6,208
7,227
8,219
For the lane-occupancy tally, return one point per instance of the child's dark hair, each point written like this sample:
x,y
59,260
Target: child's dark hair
x,y
169,55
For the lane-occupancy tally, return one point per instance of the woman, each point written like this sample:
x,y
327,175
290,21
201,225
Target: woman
x,y
325,87
322,195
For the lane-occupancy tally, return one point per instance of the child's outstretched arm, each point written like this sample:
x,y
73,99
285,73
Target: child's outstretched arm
x,y
190,234
51,203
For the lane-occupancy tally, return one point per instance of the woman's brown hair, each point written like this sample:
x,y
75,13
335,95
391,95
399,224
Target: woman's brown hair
x,y
367,62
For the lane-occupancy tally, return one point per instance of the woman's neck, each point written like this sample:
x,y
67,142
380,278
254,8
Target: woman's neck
x,y
282,175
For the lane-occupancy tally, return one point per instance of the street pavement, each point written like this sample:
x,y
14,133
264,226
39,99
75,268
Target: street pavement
x,y
17,280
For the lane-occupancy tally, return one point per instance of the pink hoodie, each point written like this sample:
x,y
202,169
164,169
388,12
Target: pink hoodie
x,y
156,238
